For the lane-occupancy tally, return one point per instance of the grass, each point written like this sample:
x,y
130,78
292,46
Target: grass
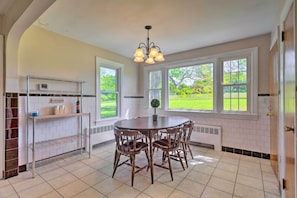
x,y
194,102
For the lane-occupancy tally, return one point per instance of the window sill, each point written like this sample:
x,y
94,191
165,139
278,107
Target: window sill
x,y
243,116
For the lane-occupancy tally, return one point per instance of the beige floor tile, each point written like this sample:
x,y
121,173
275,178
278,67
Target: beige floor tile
x,y
141,182
166,179
73,165
27,183
36,191
271,187
230,160
53,194
270,177
227,167
204,169
142,195
221,184
89,193
212,193
267,168
250,181
64,180
53,174
84,171
229,176
99,163
179,194
158,190
6,191
124,191
271,195
248,192
250,171
107,186
190,187
46,167
198,177
4,182
94,178
72,189
210,174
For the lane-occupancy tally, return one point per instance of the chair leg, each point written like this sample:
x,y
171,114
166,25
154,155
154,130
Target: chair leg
x,y
133,168
185,154
169,163
115,158
190,150
148,159
118,156
180,159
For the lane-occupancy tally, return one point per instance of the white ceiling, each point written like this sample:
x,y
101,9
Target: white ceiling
x,y
178,25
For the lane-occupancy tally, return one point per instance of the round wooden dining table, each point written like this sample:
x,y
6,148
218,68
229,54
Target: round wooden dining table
x,y
149,128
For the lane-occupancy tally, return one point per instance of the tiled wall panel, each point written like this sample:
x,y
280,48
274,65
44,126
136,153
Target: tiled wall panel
x,y
11,135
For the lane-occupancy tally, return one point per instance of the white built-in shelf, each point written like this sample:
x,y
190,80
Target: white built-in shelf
x,y
44,117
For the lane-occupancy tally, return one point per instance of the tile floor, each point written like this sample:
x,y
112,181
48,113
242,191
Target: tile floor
x,y
211,174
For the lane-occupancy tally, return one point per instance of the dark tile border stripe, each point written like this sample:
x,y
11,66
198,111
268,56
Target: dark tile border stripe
x,y
56,95
264,94
133,97
246,152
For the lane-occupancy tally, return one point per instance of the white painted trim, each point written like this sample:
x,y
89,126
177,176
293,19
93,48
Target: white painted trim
x,y
2,110
109,64
253,78
281,160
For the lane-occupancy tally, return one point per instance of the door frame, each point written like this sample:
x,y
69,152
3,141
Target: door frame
x,y
285,11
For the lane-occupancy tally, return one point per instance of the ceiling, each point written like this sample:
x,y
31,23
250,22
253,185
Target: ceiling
x,y
177,25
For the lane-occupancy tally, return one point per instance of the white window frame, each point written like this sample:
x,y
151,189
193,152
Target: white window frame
x,y
161,89
100,62
251,113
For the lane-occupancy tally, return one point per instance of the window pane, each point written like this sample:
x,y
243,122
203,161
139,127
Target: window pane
x,y
108,96
235,71
155,80
191,87
155,94
235,98
108,105
108,79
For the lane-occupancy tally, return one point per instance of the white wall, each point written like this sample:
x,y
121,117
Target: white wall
x,y
252,135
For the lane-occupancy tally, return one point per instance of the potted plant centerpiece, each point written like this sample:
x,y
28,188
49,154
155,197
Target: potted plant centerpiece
x,y
155,103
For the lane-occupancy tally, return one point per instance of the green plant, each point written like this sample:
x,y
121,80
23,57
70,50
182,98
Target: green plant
x,y
155,103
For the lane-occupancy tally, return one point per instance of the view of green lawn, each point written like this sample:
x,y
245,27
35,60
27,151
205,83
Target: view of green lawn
x,y
205,102
194,102
108,109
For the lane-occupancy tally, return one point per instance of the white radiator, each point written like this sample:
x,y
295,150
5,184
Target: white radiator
x,y
205,134
100,134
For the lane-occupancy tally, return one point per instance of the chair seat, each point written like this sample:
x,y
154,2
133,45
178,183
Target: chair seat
x,y
129,148
164,144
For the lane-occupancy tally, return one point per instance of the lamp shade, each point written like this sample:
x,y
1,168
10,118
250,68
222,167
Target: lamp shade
x,y
159,57
139,53
150,60
138,59
153,52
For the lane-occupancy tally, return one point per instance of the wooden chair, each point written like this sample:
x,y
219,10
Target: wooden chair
x,y
186,137
170,142
127,144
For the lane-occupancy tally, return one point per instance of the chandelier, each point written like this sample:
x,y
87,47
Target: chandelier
x,y
152,52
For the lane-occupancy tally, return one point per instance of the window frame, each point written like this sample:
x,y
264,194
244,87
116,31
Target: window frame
x,y
100,62
252,95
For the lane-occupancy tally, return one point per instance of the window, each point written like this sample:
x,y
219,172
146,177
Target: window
x,y
222,84
235,84
191,87
155,85
108,89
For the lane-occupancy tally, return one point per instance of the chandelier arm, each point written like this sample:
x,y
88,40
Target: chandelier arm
x,y
142,45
